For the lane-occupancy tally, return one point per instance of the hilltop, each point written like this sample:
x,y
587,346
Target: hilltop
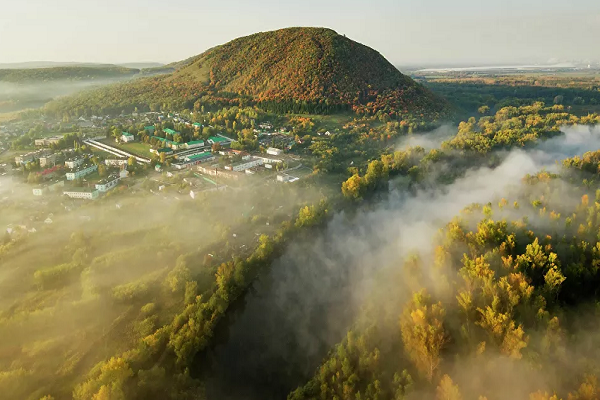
x,y
313,70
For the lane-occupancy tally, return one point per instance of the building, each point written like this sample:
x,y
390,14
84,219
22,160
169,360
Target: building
x,y
274,151
194,159
286,178
197,125
123,173
48,160
29,157
74,162
87,194
164,150
46,142
158,168
106,184
170,131
127,137
194,144
115,162
150,129
244,165
269,160
81,172
218,139
48,187
219,173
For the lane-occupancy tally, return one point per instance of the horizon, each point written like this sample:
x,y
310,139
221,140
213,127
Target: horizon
x,y
428,34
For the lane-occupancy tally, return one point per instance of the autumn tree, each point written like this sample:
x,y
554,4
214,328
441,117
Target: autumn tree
x,y
423,333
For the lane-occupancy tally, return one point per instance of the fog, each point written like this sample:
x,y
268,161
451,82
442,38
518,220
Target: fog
x,y
315,292
19,96
67,264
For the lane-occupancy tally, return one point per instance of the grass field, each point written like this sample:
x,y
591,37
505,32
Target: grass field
x,y
137,148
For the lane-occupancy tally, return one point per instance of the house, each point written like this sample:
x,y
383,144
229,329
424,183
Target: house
x,y
158,168
127,137
150,129
74,162
87,194
197,125
106,184
81,172
274,151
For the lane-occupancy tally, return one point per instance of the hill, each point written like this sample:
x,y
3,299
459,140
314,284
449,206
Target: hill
x,y
71,73
312,70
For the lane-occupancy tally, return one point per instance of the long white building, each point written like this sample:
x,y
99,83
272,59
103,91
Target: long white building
x,y
86,194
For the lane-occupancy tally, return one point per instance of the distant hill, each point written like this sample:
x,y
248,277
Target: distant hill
x,y
53,64
312,70
70,73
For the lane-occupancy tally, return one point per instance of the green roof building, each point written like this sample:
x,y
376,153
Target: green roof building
x,y
217,139
170,131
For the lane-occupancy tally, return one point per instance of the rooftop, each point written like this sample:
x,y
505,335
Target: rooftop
x,y
217,139
199,156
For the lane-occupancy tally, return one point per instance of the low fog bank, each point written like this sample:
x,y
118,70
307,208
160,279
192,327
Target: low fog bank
x,y
18,96
427,140
311,296
576,141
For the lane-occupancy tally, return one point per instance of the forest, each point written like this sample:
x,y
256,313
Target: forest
x,y
484,262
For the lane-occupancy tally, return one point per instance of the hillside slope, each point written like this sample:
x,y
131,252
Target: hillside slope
x,y
290,70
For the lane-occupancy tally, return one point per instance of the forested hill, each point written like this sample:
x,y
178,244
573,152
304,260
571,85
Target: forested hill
x,y
70,73
311,70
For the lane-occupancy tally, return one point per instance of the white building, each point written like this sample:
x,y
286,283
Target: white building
x,y
49,187
86,194
244,165
48,141
74,162
127,137
106,184
115,162
81,172
48,160
274,151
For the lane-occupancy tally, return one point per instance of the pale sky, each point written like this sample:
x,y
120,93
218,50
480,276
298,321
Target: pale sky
x,y
404,31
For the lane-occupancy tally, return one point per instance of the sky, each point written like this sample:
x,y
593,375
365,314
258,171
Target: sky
x,y
406,32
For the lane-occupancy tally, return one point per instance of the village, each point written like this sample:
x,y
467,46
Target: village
x,y
90,165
